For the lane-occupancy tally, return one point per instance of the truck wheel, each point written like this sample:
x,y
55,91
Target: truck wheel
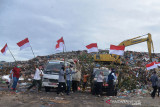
x,y
47,89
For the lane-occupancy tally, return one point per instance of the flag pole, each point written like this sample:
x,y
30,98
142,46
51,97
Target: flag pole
x,y
64,63
11,54
32,51
64,49
64,46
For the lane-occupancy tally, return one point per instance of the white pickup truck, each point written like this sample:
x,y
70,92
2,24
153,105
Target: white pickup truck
x,y
51,74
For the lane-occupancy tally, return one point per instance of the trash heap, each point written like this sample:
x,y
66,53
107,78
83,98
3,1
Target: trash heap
x,y
132,76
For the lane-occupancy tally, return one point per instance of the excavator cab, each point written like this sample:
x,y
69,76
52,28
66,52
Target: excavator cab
x,y
106,58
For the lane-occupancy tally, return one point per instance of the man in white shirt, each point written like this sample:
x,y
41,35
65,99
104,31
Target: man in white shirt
x,y
37,79
99,84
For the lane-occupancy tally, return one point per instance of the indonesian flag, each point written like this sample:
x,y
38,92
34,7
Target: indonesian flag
x,y
60,44
158,63
151,66
92,47
23,44
118,50
4,49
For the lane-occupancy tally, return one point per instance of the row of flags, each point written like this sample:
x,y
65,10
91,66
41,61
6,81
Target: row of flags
x,y
93,47
22,44
117,50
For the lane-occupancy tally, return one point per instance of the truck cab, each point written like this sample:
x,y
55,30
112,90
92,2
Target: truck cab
x,y
51,74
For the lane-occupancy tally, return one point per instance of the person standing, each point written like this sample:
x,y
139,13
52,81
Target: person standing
x,y
111,83
85,81
158,85
75,80
16,74
37,79
69,72
99,84
114,91
61,81
154,79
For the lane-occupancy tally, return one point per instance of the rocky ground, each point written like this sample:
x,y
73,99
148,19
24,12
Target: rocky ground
x,y
20,98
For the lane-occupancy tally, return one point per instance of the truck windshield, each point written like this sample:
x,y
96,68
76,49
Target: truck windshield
x,y
53,68
105,73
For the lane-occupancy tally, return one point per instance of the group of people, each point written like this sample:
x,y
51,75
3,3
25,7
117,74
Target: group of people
x,y
99,79
15,74
65,78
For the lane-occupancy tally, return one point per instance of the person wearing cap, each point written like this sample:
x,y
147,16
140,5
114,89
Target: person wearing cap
x,y
154,80
69,73
16,74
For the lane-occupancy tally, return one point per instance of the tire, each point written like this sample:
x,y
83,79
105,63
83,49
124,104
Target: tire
x,y
47,89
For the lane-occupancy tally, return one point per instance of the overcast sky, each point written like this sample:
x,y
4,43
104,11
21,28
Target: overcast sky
x,y
80,22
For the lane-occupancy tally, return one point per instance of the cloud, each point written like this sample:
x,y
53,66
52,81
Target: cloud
x,y
80,22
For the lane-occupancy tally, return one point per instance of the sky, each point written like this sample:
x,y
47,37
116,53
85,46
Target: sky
x,y
79,22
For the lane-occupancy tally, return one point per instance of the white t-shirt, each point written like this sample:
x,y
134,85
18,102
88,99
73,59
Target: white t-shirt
x,y
37,74
100,78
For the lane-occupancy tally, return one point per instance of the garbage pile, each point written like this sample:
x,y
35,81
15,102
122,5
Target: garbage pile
x,y
132,75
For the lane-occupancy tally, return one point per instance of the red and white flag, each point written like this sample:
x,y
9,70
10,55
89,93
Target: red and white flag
x,y
158,63
24,44
4,49
151,65
60,44
92,47
118,50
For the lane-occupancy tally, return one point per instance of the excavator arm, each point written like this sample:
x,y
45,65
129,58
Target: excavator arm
x,y
150,46
129,42
132,42
139,39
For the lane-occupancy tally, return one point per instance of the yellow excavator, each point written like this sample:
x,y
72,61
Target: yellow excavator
x,y
133,41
